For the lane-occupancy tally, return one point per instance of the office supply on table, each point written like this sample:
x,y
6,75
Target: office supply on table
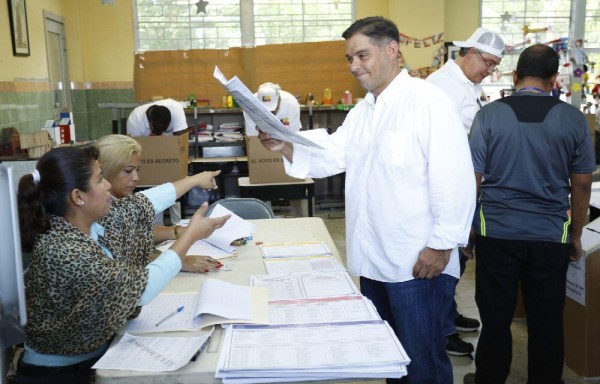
x,y
305,248
257,354
324,310
306,286
178,310
304,264
217,302
264,119
160,354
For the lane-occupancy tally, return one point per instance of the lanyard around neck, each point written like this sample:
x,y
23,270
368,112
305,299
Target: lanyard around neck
x,y
531,89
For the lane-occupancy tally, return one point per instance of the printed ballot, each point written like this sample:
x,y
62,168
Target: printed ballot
x,y
265,120
295,249
217,302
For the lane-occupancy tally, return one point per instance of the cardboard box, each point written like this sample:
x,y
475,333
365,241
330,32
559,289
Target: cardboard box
x,y
164,159
582,307
265,166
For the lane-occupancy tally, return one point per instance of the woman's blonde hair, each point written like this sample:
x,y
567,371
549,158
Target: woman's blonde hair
x,y
115,153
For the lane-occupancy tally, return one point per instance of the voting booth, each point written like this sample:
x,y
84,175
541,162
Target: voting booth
x,y
582,307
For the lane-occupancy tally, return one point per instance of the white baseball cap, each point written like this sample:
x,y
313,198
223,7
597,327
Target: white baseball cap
x,y
484,40
268,94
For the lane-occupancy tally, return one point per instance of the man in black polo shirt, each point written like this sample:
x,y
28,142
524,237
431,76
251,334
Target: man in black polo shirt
x,y
530,151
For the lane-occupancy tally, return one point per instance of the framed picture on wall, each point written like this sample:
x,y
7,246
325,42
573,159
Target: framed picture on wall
x,y
451,51
19,33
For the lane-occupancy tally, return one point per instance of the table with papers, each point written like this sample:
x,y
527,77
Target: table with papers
x,y
250,266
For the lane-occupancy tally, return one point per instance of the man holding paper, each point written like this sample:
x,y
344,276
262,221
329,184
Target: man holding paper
x,y
409,195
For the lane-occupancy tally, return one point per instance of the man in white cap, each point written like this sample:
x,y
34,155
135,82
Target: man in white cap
x,y
461,79
286,109
281,103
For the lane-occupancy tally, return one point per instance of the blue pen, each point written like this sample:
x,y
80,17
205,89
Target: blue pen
x,y
169,316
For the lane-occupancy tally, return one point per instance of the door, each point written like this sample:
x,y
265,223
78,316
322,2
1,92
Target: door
x,y
58,72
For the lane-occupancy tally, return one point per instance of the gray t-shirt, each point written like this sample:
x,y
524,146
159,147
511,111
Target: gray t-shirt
x,y
526,146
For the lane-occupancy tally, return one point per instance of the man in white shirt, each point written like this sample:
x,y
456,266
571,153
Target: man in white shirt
x,y
162,117
409,197
282,104
461,80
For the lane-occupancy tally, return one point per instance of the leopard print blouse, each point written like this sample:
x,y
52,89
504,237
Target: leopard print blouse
x,y
77,297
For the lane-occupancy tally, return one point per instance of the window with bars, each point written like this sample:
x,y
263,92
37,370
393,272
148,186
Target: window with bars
x,y
181,24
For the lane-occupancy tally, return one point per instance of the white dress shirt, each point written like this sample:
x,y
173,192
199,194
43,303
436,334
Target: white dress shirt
x,y
409,178
462,92
138,124
288,113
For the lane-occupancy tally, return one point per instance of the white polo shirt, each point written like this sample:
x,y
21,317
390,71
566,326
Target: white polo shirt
x,y
288,113
138,124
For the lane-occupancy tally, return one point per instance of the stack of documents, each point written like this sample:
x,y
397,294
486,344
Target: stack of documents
x,y
280,353
300,257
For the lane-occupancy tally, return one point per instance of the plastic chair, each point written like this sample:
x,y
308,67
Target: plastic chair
x,y
247,208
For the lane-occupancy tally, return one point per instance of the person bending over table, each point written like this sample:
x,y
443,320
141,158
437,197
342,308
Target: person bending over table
x,y
90,269
120,162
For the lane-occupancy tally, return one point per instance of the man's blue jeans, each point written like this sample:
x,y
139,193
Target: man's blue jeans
x,y
416,309
452,311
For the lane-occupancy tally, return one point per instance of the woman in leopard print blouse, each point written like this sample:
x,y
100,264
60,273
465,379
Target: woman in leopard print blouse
x,y
90,268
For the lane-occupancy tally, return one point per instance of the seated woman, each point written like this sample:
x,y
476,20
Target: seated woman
x,y
90,269
120,161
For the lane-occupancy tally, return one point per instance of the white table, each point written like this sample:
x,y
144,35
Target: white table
x,y
248,262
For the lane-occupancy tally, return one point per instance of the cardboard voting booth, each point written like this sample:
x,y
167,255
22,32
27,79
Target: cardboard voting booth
x,y
265,166
164,159
582,307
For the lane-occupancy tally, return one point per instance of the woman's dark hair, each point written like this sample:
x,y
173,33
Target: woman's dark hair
x,y
539,61
60,172
378,29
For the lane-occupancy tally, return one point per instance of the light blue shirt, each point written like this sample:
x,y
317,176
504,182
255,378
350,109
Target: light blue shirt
x,y
160,272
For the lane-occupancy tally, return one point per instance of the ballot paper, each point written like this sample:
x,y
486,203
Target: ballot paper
x,y
294,249
264,119
306,286
151,354
325,310
217,302
305,264
368,349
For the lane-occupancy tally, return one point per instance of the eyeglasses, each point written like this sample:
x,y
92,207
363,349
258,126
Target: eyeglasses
x,y
488,63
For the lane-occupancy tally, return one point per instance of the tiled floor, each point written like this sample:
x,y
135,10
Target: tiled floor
x,y
465,299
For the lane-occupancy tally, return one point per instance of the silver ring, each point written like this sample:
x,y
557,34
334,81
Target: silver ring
x,y
428,276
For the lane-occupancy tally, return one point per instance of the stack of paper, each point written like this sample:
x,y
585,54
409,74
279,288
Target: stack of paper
x,y
306,286
262,354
